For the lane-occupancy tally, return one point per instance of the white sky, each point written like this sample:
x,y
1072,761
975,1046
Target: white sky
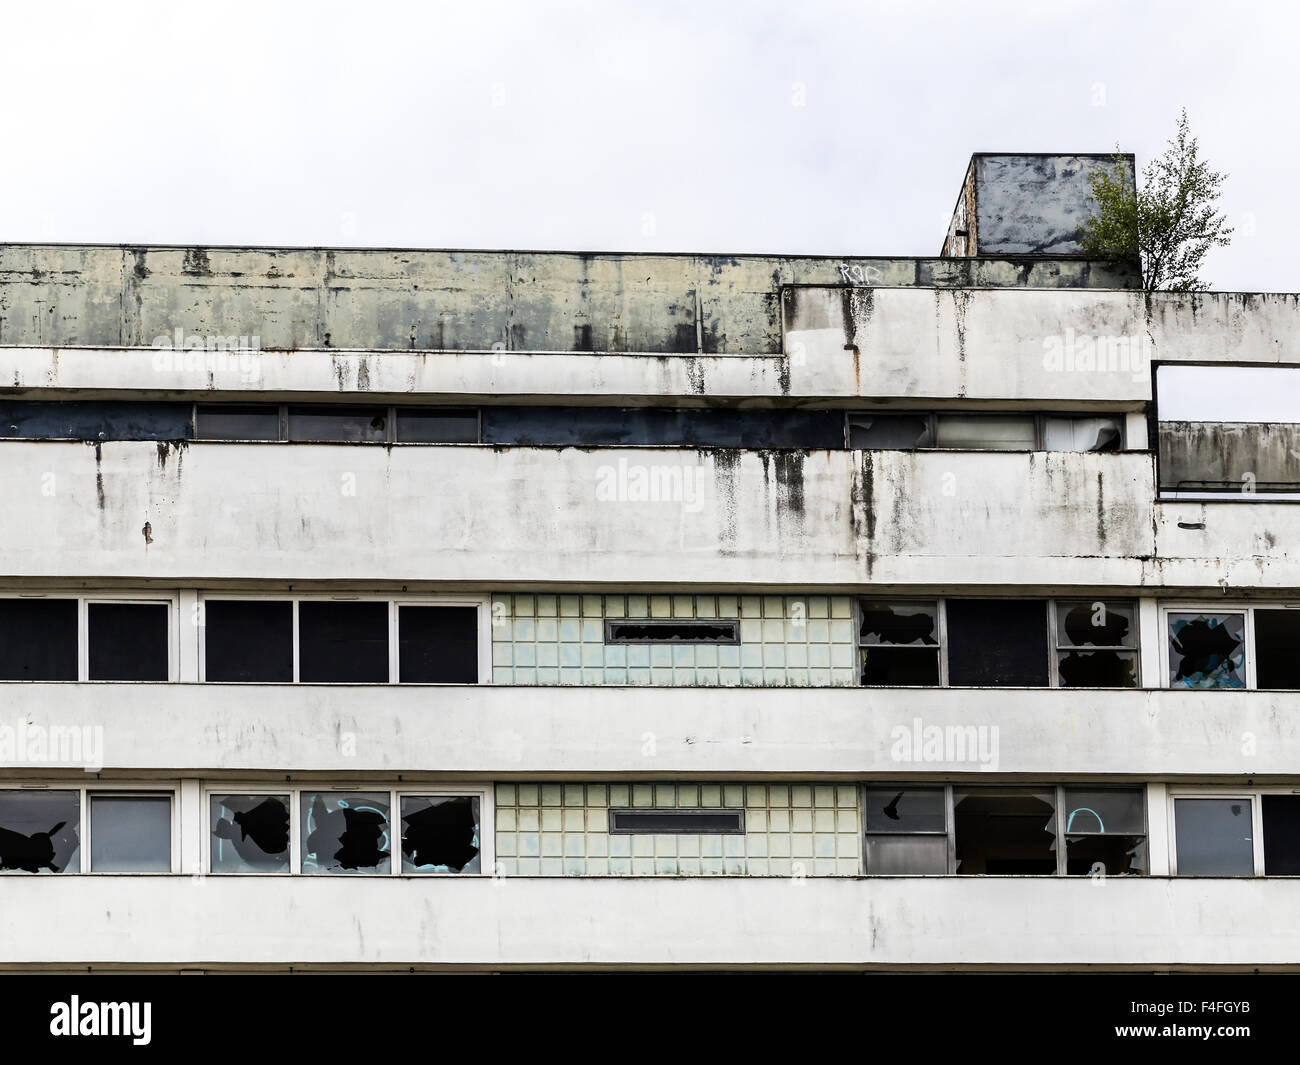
x,y
817,127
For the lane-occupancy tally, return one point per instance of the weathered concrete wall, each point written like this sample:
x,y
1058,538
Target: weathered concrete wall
x,y
983,922
962,238
1234,456
59,295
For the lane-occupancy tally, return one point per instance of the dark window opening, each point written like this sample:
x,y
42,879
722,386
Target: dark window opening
x,y
237,422
1105,832
94,420
1005,831
339,424
678,822
672,631
906,831
427,426
250,833
1214,837
889,432
343,643
345,832
38,639
248,640
1096,644
130,833
997,643
40,831
1277,649
1281,814
437,644
1207,650
900,643
127,641
440,834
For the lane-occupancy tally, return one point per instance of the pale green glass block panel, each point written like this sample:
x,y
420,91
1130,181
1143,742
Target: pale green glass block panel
x,y
775,678
706,656
665,795
501,655
706,606
620,795
773,606
661,606
683,657
643,867
597,845
574,821
818,631
530,794
525,654
847,845
597,867
548,630
823,867
643,846
570,606
846,820
552,867
547,606
529,866
729,657
779,845
593,656
643,795
616,656
552,844
795,631
733,795
751,606
502,675
596,795
575,866
823,795
570,675
774,655
507,818
592,607
819,678
574,795
728,606
751,678
638,606
615,606
502,604
688,846
824,821
712,867
684,678
552,794
665,846
801,844
506,845
620,867
751,632
638,656
707,678
710,795
638,676
597,820
711,846
796,656
683,606
729,678
846,867
756,845
778,795
620,846
548,655
530,819
842,633
548,676
841,607
616,676
505,794
755,795
801,795
846,795
778,820
733,846
688,795
755,820
801,820
552,819
688,866
758,867
818,606
526,676
734,867
570,632
530,845
575,846
593,631
662,678
525,606
751,655
507,867
843,678
661,657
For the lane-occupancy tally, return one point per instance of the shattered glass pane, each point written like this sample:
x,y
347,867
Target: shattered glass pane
x,y
1207,651
869,431
345,832
1097,669
1105,855
1118,810
440,834
1096,623
40,831
1083,433
250,833
1214,837
130,833
898,623
905,810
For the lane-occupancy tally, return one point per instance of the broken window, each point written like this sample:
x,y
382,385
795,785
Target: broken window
x,y
248,640
1207,650
1281,822
674,630
1083,433
677,821
440,834
38,639
249,833
869,431
899,643
1004,831
1105,832
997,643
1096,643
906,831
40,831
1214,837
128,641
345,832
260,421
986,432
437,644
1277,649
439,425
130,833
338,424
343,642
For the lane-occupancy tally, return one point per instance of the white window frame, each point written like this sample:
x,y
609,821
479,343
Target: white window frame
x,y
482,621
1252,795
484,792
1195,606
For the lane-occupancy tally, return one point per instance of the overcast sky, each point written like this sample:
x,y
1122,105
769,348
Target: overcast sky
x,y
814,127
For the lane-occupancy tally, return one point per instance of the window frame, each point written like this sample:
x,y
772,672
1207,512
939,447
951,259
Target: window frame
x,y
295,789
391,413
1039,417
1252,795
1199,606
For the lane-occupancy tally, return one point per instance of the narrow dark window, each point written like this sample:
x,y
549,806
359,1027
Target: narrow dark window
x,y
675,630
130,833
425,426
1281,834
248,640
678,821
343,643
38,639
1277,649
128,641
249,833
899,643
40,831
237,422
437,644
997,643
339,424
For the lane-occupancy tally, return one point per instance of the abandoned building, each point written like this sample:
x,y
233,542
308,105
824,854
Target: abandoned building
x,y
486,611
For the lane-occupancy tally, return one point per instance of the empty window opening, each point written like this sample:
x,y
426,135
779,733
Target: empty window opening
x,y
440,834
1277,649
128,641
986,432
899,643
1214,837
678,822
1004,831
1207,650
38,639
338,424
249,833
130,833
1082,433
437,644
677,630
1096,644
343,642
94,420
997,643
1281,822
1105,832
40,831
437,426
345,832
237,422
248,640
869,431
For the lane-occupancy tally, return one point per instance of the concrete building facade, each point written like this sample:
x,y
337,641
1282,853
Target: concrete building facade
x,y
484,611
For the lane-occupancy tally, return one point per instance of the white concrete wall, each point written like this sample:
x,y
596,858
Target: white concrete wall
x,y
497,732
485,923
